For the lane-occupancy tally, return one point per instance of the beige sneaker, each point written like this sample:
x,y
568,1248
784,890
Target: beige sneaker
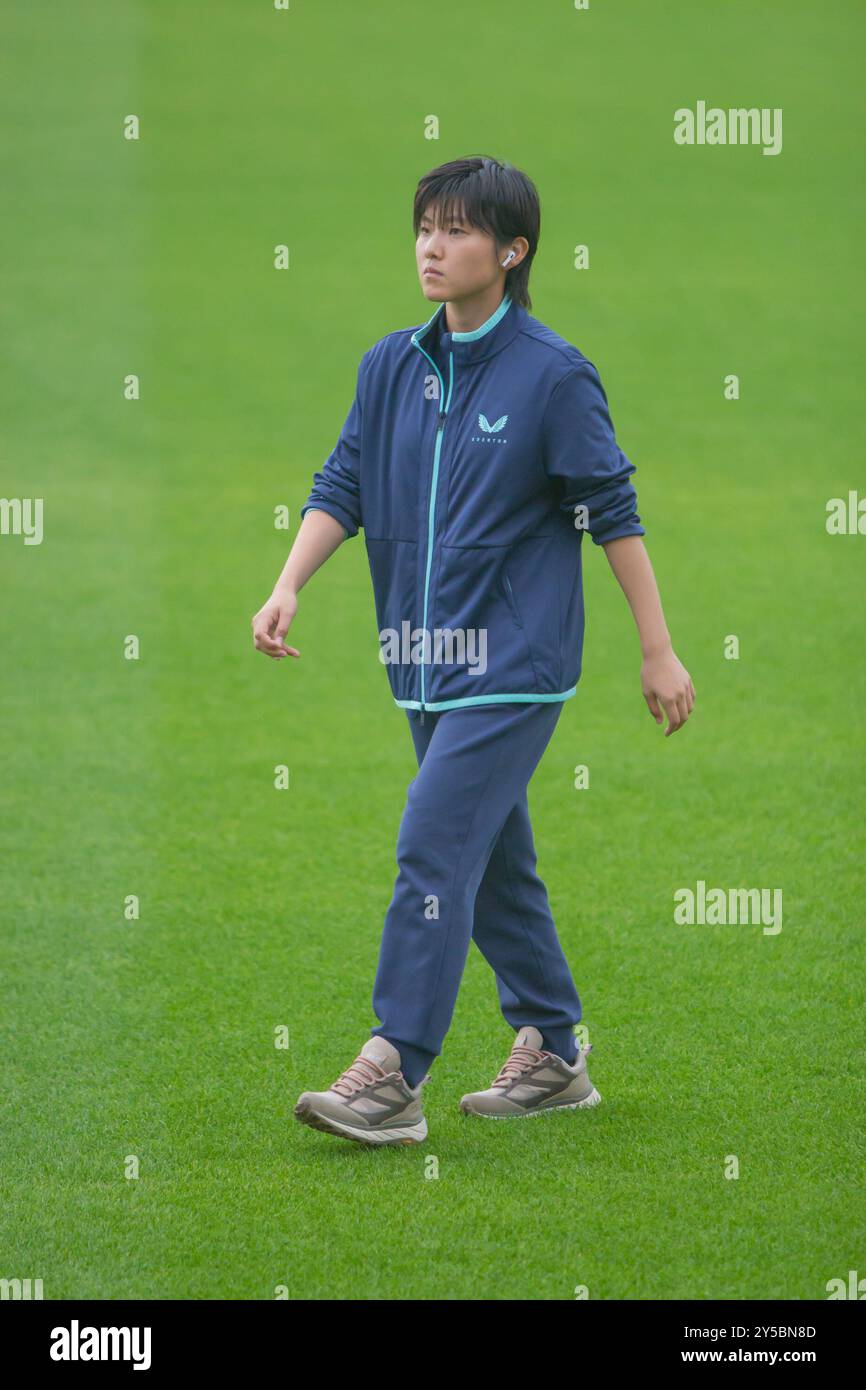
x,y
532,1081
371,1102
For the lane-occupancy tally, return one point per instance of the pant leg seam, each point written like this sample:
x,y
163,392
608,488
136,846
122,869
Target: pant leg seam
x,y
443,950
528,934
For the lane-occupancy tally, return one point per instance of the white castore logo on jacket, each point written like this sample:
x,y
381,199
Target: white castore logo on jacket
x,y
490,431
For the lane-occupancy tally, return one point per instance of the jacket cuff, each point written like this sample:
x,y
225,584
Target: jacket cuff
x,y
626,528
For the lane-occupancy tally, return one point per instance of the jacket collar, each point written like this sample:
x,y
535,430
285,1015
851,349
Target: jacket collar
x,y
493,335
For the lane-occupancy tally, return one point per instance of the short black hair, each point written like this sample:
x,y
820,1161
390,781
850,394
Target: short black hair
x,y
486,193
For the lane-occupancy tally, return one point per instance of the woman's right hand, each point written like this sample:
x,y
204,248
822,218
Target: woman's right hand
x,y
273,621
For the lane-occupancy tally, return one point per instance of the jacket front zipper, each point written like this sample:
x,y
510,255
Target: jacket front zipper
x,y
431,511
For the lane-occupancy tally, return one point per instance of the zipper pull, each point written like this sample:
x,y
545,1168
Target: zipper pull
x,y
442,417
422,716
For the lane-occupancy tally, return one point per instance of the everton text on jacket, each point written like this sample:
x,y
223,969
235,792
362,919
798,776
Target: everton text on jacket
x,y
474,462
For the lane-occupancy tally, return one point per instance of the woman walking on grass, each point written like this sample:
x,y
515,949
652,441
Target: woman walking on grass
x,y
477,451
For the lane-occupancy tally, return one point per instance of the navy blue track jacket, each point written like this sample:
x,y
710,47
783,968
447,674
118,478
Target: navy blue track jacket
x,y
474,462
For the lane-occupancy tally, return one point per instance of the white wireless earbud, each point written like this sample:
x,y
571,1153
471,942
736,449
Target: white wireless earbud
x,y
509,257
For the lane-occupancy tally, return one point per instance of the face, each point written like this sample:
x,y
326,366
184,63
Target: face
x,y
464,256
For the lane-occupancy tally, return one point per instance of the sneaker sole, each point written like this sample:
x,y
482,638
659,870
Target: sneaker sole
x,y
373,1138
592,1099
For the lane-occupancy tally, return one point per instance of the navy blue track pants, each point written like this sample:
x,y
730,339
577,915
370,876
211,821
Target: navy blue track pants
x,y
466,871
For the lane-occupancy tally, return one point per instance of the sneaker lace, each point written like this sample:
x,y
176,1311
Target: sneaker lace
x,y
363,1072
520,1060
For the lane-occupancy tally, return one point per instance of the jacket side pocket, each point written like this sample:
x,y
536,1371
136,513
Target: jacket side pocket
x,y
512,602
